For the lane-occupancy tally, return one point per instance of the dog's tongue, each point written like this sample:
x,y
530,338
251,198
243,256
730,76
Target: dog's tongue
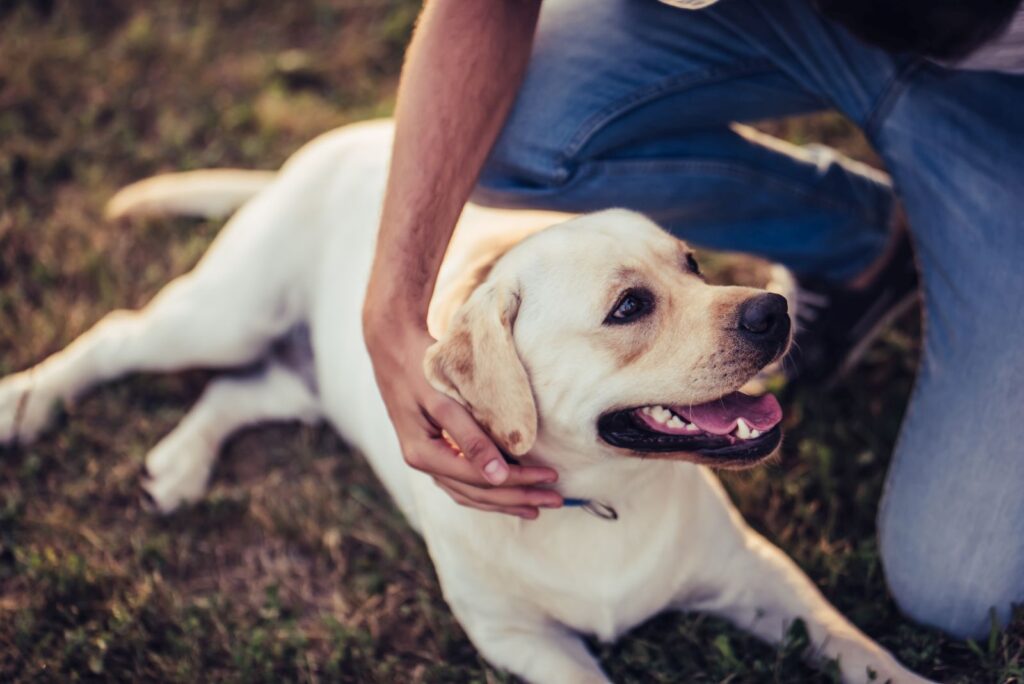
x,y
719,416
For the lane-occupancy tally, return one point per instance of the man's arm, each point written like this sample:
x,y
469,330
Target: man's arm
x,y
462,71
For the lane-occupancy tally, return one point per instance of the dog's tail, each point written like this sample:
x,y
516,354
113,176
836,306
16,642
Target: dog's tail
x,y
208,194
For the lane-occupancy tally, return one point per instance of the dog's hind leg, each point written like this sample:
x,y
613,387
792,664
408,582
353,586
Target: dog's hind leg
x,y
178,468
245,293
181,328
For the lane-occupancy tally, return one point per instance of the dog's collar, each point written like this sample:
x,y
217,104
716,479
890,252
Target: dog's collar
x,y
597,509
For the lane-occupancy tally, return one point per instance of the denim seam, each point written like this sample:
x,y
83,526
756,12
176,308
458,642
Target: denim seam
x,y
622,166
641,97
888,97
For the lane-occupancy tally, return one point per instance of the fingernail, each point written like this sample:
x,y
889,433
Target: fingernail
x,y
496,472
551,504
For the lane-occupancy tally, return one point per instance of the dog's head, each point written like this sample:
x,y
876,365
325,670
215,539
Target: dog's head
x,y
599,336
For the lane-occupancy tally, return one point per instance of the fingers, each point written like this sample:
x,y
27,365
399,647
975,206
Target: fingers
x,y
525,512
433,456
463,481
473,442
476,446
504,496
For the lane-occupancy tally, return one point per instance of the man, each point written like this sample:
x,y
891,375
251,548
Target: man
x,y
630,103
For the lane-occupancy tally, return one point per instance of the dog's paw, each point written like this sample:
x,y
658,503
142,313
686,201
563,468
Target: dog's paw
x,y
177,471
25,411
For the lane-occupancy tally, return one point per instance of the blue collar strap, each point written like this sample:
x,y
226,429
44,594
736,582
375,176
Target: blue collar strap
x,y
595,508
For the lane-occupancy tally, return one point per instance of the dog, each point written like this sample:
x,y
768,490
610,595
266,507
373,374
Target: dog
x,y
593,346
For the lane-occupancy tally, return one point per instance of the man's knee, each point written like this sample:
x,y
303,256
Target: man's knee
x,y
517,178
947,586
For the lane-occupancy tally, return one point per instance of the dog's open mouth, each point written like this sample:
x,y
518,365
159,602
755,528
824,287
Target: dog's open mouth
x,y
732,429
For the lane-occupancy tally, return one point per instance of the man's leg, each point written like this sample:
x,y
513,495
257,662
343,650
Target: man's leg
x,y
951,524
626,104
631,103
952,518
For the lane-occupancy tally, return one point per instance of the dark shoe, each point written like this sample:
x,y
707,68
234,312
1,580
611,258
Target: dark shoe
x,y
835,325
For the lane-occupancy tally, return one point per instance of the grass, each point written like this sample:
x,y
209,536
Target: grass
x,y
296,567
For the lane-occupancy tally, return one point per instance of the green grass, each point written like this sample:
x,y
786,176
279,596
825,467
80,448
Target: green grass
x,y
297,567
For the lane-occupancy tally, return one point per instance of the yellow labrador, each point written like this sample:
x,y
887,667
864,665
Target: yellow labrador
x,y
593,346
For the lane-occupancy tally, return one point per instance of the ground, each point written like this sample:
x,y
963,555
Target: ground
x,y
297,567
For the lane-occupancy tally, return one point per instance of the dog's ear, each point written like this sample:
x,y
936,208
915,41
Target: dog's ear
x,y
476,363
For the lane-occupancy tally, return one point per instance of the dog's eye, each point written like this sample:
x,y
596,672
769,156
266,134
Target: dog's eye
x,y
692,264
633,305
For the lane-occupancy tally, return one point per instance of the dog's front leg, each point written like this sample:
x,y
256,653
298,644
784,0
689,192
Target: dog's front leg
x,y
535,650
515,636
764,592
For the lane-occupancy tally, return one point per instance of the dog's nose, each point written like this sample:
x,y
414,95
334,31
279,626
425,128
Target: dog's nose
x,y
764,318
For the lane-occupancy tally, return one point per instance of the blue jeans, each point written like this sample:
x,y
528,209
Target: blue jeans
x,y
631,103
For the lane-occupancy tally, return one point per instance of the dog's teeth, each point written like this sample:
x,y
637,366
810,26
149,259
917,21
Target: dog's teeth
x,y
691,426
675,422
742,429
661,414
646,410
755,433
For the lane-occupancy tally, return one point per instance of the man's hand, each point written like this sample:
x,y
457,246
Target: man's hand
x,y
480,478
